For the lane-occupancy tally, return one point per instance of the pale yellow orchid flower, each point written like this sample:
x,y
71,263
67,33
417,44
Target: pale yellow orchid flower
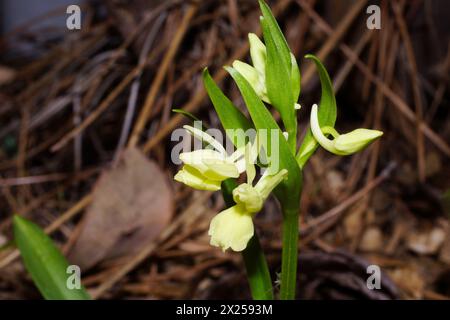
x,y
342,144
233,227
205,169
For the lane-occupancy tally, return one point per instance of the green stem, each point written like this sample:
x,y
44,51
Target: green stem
x,y
292,137
255,262
289,255
257,270
290,126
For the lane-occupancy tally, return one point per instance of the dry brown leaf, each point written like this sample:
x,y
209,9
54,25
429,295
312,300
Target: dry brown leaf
x,y
132,204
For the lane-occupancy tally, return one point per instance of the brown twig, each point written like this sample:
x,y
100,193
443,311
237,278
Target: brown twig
x,y
418,102
150,99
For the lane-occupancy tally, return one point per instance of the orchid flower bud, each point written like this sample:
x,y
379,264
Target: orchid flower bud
x,y
256,74
356,140
257,53
254,78
342,144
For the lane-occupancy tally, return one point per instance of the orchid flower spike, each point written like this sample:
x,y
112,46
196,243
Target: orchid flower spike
x,y
342,144
233,227
205,169
256,74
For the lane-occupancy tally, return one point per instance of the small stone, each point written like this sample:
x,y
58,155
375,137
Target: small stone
x,y
352,223
426,242
372,240
335,182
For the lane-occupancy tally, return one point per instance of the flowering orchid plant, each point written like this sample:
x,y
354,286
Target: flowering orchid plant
x,y
274,79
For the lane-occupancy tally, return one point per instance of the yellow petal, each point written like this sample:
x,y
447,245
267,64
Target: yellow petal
x,y
193,178
245,157
232,228
249,164
268,182
248,72
212,164
221,169
254,78
203,136
258,53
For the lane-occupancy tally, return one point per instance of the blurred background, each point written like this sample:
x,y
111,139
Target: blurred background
x,y
85,145
16,13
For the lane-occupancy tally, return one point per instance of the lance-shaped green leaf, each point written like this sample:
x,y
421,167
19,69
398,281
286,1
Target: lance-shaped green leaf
x,y
326,114
277,76
295,78
45,263
281,73
230,116
288,192
274,30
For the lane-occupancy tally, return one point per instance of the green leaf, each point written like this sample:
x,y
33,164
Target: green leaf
x,y
192,117
45,263
288,192
230,116
295,79
282,73
187,114
277,76
274,30
326,114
